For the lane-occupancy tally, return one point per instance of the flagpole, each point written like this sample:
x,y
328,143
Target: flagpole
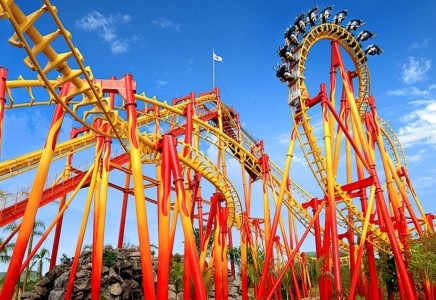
x,y
213,69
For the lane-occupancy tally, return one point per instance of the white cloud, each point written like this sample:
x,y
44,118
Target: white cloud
x,y
415,70
283,139
423,44
161,83
106,28
417,157
165,23
420,125
410,91
119,46
424,183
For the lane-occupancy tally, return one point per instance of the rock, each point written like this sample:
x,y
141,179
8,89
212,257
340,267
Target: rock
x,y
113,276
61,281
41,290
116,289
45,282
83,284
57,295
104,270
122,280
28,296
172,295
233,291
126,273
237,282
134,254
137,294
83,273
79,296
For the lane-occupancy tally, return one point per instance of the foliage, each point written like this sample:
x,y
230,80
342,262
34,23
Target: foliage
x,y
315,268
153,249
422,258
176,272
387,272
197,239
346,279
109,257
38,230
252,272
5,255
65,259
177,258
39,258
87,247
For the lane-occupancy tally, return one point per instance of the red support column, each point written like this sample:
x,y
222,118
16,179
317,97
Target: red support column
x,y
26,229
184,205
3,77
141,210
245,234
124,211
84,223
297,248
232,261
399,260
164,209
57,235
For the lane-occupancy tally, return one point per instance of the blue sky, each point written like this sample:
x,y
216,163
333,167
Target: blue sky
x,y
167,46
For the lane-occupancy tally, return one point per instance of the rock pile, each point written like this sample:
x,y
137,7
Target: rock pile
x,y
121,279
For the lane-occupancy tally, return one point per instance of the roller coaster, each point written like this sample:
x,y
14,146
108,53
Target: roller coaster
x,y
171,160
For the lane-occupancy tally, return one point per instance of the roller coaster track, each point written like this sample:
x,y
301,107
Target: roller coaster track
x,y
81,95
301,106
348,121
88,87
27,162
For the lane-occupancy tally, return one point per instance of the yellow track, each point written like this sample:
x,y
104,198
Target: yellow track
x,y
308,140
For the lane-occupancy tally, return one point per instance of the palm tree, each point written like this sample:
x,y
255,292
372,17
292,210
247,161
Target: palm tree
x,y
5,252
38,230
39,258
5,256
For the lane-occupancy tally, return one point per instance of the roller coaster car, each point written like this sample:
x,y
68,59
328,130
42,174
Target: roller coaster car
x,y
365,35
373,50
325,14
283,73
354,24
299,22
285,53
340,16
311,16
291,36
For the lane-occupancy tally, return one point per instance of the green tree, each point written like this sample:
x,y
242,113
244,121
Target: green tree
x,y
39,258
38,230
388,273
5,253
197,239
253,273
421,259
65,259
176,273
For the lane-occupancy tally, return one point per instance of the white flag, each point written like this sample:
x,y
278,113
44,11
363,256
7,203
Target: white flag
x,y
217,58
